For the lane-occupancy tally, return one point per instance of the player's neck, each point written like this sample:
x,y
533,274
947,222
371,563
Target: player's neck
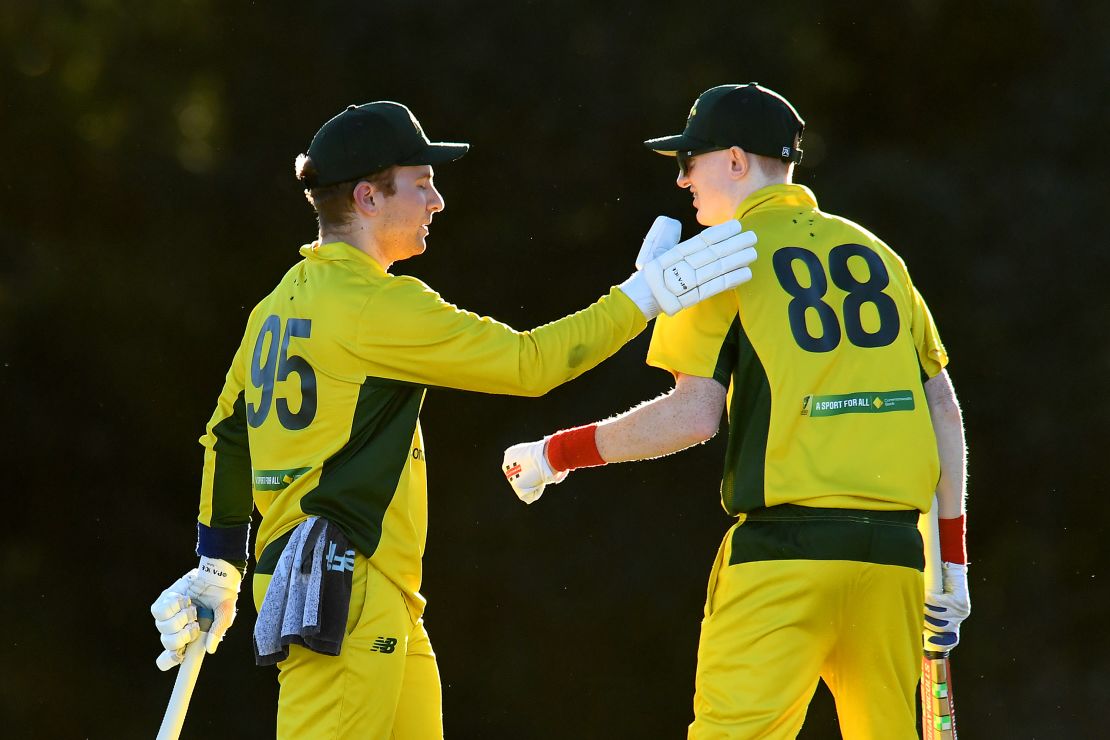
x,y
757,181
361,239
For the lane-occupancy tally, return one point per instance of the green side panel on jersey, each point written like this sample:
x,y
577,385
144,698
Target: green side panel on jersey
x,y
231,477
268,560
861,402
358,482
791,532
749,419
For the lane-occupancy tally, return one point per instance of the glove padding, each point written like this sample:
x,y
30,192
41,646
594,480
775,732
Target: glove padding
x,y
175,618
945,611
661,237
213,584
527,470
715,260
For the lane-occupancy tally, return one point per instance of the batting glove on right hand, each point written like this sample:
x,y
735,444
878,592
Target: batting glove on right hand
x,y
527,470
175,618
945,611
213,584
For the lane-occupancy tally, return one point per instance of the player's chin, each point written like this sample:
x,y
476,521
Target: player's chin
x,y
712,217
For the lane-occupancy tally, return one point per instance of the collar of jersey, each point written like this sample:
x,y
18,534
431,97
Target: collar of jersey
x,y
341,252
788,195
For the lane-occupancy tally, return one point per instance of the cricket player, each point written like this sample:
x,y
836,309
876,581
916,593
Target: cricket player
x,y
318,427
842,423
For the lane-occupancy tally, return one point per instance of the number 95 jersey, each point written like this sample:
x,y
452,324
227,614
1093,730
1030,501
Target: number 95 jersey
x,y
319,414
824,354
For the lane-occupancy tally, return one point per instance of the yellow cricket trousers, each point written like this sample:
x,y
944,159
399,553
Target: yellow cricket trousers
x,y
384,684
799,594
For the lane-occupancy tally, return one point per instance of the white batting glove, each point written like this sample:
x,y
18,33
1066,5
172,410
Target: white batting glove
x,y
527,470
715,260
213,584
662,236
945,611
216,586
175,618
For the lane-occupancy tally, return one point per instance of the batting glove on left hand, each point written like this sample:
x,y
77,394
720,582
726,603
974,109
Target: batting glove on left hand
x,y
945,611
527,470
709,263
661,237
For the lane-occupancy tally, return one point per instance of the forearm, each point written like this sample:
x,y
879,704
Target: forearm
x,y
226,491
555,353
688,415
948,427
408,332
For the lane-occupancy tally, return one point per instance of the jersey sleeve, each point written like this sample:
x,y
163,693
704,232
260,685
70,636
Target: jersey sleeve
x,y
226,500
930,350
697,341
408,332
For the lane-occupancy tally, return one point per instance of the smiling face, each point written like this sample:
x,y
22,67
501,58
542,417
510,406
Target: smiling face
x,y
404,217
711,179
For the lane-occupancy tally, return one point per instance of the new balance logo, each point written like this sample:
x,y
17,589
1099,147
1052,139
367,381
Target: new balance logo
x,y
340,563
384,645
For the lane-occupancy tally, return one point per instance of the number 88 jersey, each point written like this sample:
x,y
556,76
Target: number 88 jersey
x,y
824,353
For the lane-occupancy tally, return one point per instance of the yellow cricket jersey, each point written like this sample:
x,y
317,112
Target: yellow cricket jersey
x,y
824,353
319,411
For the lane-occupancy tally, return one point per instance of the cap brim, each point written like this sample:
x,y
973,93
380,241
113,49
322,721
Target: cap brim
x,y
668,145
438,152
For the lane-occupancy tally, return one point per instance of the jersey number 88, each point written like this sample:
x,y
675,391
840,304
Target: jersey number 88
x,y
859,293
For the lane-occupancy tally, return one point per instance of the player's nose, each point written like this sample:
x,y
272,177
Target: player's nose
x,y
436,203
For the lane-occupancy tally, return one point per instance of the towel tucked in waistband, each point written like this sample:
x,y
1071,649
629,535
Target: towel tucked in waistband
x,y
309,594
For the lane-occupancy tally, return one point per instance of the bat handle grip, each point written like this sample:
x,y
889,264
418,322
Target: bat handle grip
x,y
187,673
205,617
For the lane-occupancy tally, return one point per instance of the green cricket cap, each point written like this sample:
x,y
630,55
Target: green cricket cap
x,y
365,139
749,116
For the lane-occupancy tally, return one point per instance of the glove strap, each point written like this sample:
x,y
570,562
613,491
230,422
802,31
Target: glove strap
x,y
953,539
574,448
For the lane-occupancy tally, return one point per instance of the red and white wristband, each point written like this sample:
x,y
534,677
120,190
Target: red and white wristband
x,y
574,448
953,539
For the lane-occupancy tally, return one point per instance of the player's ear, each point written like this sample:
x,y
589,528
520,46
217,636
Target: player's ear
x,y
739,163
367,198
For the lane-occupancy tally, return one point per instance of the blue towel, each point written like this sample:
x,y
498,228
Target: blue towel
x,y
309,595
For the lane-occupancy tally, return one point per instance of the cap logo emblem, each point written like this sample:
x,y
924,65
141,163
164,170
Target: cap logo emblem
x,y
786,151
693,111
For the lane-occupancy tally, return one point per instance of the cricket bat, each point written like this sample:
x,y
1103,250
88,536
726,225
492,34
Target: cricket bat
x,y
187,672
938,714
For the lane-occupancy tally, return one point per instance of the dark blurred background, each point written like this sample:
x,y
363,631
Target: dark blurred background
x,y
149,202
